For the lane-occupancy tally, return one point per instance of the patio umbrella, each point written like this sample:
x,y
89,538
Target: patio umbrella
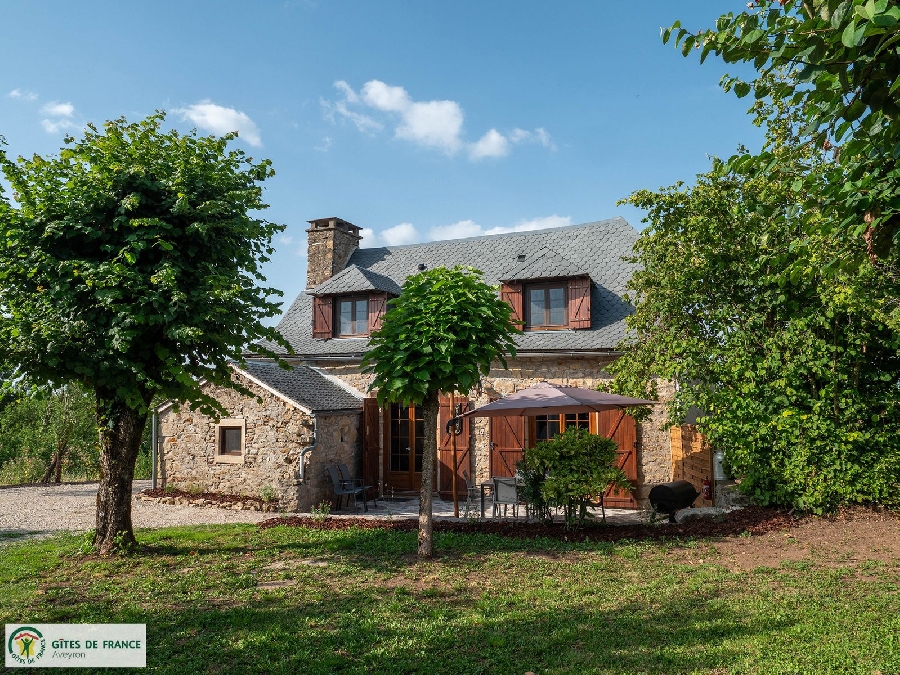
x,y
544,398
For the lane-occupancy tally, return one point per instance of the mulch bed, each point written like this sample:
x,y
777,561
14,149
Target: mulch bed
x,y
755,520
209,496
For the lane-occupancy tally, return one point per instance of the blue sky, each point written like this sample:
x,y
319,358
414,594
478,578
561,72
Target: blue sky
x,y
413,120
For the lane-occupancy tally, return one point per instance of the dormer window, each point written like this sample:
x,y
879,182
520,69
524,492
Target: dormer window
x,y
352,316
546,306
351,303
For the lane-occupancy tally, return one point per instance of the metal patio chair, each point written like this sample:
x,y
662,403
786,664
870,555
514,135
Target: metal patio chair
x,y
506,494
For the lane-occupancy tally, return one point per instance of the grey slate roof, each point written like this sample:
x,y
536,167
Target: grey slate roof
x,y
305,386
544,263
355,279
593,248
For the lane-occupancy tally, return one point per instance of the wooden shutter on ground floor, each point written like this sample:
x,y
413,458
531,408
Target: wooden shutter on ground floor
x,y
445,450
377,308
511,292
580,302
322,317
507,444
625,436
371,421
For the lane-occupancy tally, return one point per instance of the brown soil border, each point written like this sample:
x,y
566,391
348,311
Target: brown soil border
x,y
209,496
754,520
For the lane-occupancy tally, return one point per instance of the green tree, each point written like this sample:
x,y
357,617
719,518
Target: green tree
x,y
440,335
573,468
130,264
844,62
794,372
47,434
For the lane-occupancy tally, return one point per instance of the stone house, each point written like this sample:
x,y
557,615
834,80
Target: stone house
x,y
565,284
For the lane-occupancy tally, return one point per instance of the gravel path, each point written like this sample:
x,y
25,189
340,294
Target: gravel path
x,y
50,508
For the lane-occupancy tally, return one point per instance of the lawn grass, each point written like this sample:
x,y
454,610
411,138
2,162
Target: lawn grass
x,y
235,599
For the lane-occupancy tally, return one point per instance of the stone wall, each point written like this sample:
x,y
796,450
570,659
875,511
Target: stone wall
x,y
654,451
275,437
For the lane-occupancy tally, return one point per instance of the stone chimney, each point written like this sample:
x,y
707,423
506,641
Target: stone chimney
x,y
330,243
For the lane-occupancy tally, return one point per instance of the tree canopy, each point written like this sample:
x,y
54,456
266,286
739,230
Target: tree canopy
x,y
440,335
843,62
130,263
793,371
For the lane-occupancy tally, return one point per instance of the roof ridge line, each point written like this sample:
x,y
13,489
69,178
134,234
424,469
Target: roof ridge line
x,y
338,381
523,233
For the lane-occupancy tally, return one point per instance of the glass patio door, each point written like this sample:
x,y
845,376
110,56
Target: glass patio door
x,y
406,440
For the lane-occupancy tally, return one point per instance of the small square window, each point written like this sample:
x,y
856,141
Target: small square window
x,y
230,441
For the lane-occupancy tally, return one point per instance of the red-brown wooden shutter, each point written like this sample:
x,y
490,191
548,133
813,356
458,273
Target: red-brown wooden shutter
x,y
377,307
507,444
511,292
371,441
322,317
625,436
580,302
445,450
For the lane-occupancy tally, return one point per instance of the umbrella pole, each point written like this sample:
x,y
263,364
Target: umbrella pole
x,y
455,462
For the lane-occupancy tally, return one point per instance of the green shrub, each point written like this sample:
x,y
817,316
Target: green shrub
x,y
578,467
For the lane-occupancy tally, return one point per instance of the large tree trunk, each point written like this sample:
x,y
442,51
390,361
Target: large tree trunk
x,y
121,428
430,408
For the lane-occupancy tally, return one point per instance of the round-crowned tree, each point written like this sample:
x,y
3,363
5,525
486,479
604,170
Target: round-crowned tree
x,y
440,335
130,263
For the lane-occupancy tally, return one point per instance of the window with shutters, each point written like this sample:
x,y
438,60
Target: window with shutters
x,y
546,306
346,316
560,304
351,316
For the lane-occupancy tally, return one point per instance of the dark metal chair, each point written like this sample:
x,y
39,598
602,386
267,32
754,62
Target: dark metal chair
x,y
358,482
344,488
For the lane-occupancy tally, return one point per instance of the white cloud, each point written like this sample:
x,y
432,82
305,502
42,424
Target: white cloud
x,y
364,123
436,125
492,144
407,233
285,240
384,97
539,136
56,109
349,95
433,124
220,120
325,145
58,117
57,125
534,224
23,95
458,230
404,233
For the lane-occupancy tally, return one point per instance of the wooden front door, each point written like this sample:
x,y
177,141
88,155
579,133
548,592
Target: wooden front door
x,y
405,440
507,444
445,449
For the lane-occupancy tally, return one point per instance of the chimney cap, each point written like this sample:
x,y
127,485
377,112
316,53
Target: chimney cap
x,y
333,223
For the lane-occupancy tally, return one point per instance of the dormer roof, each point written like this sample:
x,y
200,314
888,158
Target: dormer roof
x,y
545,263
355,279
